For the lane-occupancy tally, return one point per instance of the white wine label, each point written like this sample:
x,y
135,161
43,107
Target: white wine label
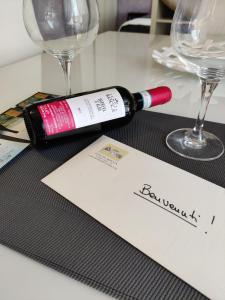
x,y
147,99
77,112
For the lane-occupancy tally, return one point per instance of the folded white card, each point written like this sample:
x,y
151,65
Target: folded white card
x,y
174,217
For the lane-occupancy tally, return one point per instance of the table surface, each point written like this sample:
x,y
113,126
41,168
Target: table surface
x,y
114,59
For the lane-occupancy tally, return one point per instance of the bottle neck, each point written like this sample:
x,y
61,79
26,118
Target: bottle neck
x,y
143,100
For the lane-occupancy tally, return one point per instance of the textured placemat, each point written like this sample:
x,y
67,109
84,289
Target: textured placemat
x,y
41,224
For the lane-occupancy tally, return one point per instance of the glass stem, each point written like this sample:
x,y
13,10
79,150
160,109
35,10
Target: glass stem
x,y
66,63
208,87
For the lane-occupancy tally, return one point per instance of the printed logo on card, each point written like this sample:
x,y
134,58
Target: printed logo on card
x,y
113,152
110,155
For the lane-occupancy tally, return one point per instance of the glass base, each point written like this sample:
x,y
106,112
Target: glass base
x,y
184,143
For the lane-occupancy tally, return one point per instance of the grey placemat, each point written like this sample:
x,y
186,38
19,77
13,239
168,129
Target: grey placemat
x,y
41,224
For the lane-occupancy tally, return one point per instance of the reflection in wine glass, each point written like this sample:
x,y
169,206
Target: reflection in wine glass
x,y
62,28
198,36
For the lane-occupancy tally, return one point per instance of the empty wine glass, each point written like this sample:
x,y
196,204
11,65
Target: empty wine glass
x,y
62,28
198,36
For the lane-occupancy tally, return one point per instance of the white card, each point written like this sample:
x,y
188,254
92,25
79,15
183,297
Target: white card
x,y
172,216
9,149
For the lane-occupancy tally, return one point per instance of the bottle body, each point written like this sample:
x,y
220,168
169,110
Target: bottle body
x,y
54,119
50,120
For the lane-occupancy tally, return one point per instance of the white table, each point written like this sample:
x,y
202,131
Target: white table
x,y
114,59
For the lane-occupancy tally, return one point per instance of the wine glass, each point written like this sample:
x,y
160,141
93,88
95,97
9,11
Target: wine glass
x,y
62,28
198,37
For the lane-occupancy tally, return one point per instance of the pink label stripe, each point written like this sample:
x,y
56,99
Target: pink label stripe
x,y
57,117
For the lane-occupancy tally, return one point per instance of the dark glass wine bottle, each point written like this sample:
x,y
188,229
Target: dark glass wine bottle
x,y
50,120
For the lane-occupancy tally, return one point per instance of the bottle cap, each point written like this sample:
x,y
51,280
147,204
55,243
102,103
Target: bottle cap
x,y
160,95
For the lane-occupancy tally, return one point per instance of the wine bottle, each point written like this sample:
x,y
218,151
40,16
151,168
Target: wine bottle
x,y
50,120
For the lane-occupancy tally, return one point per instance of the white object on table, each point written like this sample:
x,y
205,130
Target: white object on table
x,y
169,58
146,211
9,150
116,58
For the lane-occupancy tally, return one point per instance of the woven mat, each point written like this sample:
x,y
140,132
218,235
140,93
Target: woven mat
x,y
36,221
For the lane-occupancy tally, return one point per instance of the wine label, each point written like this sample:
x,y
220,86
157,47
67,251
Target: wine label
x,y
77,112
147,99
